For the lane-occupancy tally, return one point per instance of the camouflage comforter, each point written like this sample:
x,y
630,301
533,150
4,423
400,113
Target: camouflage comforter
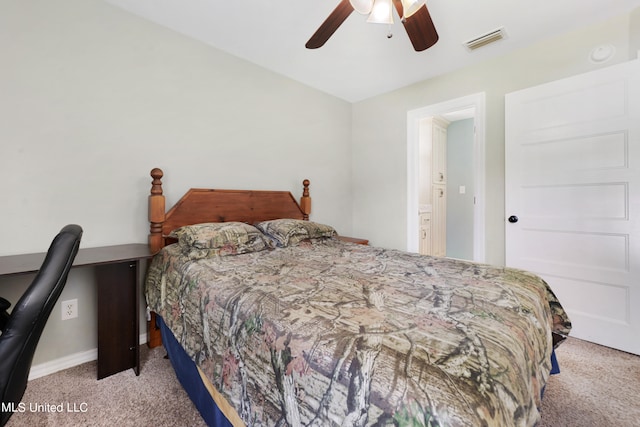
x,y
328,333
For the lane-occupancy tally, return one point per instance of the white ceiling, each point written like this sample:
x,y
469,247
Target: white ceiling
x,y
359,61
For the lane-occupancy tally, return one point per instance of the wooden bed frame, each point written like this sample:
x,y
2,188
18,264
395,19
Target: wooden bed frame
x,y
200,205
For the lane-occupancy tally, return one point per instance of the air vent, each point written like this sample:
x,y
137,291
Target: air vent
x,y
485,39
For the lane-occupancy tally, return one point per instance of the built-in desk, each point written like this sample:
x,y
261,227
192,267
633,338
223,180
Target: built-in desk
x,y
117,271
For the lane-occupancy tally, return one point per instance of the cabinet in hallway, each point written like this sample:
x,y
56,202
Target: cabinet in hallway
x,y
433,185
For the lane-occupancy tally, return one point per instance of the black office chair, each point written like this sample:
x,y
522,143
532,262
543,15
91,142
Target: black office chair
x,y
22,328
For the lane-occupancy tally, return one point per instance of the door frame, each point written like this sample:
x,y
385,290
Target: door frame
x,y
476,101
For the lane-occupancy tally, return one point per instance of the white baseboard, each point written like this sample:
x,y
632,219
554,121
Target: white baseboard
x,y
62,363
69,361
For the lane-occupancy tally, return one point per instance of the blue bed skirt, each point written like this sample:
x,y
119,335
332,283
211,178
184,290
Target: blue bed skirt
x,y
555,368
189,377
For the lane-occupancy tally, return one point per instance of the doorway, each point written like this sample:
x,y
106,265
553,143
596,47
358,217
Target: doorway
x,y
472,106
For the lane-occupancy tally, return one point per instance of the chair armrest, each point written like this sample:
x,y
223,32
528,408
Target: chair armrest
x,y
4,314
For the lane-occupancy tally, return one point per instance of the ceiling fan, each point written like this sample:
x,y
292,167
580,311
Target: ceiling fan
x,y
413,13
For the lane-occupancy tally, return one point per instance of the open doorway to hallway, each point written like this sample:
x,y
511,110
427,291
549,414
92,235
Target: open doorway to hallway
x,y
453,207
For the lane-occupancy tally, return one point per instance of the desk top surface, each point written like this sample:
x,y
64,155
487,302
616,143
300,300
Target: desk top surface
x,y
31,263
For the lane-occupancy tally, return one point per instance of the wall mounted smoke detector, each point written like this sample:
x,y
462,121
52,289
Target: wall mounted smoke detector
x,y
602,53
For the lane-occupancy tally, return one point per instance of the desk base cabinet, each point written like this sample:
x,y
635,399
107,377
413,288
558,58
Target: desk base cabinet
x,y
118,312
117,270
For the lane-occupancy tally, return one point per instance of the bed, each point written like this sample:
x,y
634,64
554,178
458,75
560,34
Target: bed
x,y
273,320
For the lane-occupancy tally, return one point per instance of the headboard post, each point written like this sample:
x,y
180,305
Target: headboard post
x,y
156,211
305,200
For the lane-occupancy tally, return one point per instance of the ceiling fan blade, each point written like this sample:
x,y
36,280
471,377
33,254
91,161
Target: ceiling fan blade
x,y
330,25
419,27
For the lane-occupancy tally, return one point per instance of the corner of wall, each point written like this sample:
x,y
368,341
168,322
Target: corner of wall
x,y
634,33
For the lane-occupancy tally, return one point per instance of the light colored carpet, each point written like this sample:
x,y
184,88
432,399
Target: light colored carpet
x,y
598,386
154,398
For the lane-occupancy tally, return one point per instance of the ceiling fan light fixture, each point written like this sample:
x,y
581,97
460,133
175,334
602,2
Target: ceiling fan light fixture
x,y
419,27
362,6
409,7
382,12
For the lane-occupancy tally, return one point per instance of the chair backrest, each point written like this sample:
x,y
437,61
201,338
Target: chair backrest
x,y
27,320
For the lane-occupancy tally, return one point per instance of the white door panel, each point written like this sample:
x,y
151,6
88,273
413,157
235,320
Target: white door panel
x,y
572,157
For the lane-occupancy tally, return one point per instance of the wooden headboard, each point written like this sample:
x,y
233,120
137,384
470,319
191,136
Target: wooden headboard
x,y
200,205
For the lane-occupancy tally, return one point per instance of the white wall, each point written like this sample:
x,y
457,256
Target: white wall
x,y
634,33
92,98
380,128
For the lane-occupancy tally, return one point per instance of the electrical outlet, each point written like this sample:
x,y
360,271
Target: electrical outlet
x,y
69,309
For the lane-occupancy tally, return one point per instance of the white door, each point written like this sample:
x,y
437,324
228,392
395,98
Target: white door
x,y
572,157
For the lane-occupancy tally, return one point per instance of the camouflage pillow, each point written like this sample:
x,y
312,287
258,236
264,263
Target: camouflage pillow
x,y
219,238
285,232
